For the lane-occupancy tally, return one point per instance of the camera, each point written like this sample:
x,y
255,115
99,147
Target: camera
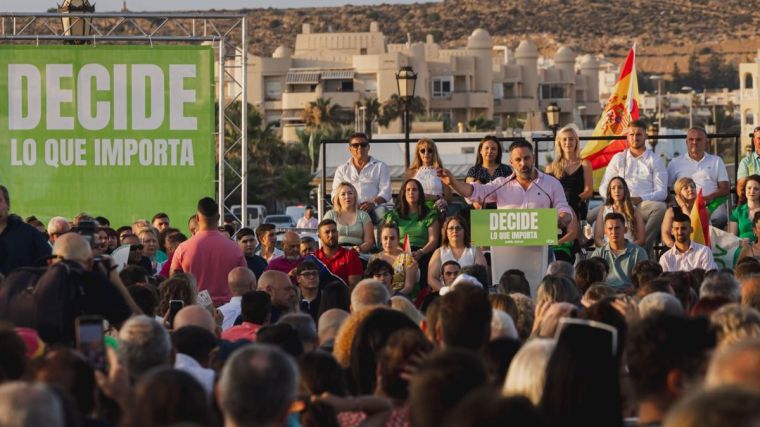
x,y
87,229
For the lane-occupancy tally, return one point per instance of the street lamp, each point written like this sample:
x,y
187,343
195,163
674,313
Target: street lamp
x,y
552,117
78,25
658,78
406,80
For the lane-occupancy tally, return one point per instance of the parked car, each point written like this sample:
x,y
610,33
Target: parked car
x,y
280,221
256,214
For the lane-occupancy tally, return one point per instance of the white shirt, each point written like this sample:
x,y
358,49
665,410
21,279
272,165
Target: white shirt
x,y
204,376
697,256
230,311
307,223
431,184
706,173
277,252
372,181
645,175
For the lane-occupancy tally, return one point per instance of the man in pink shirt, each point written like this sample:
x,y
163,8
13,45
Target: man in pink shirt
x,y
527,187
209,256
255,309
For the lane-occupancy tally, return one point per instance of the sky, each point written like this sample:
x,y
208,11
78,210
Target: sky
x,y
176,5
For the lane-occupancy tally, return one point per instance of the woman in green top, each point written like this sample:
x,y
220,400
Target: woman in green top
x,y
741,218
415,219
355,228
418,222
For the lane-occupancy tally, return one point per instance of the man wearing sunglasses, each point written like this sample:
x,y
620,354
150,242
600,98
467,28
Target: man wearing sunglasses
x,y
370,176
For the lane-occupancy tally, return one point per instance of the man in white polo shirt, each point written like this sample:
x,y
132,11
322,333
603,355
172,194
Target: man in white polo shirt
x,y
646,177
686,255
707,171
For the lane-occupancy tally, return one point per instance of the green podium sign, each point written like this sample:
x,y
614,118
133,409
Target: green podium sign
x,y
514,227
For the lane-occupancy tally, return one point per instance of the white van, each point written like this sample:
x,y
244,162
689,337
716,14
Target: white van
x,y
256,214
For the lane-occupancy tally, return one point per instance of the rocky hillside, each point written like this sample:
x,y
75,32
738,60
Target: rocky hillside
x,y
666,31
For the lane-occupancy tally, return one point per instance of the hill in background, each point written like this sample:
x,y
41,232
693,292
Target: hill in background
x,y
666,31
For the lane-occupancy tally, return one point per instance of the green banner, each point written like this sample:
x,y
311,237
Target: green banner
x,y
118,131
514,227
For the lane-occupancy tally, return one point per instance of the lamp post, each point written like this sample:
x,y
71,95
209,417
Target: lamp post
x,y
76,26
658,78
406,80
552,117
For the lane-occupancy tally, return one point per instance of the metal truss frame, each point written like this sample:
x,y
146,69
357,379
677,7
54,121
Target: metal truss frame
x,y
227,32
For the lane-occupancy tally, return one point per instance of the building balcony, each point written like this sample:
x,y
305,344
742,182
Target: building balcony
x,y
748,94
462,100
515,105
299,100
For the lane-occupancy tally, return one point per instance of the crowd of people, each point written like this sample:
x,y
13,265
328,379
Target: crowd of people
x,y
391,317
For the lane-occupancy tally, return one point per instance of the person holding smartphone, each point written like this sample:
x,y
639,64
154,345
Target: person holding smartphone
x,y
77,284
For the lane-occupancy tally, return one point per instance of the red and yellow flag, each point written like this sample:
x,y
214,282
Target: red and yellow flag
x,y
621,109
700,221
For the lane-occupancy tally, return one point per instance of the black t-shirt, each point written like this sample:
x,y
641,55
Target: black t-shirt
x,y
21,245
64,295
256,264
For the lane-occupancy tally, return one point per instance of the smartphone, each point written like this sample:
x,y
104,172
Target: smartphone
x,y
175,306
90,332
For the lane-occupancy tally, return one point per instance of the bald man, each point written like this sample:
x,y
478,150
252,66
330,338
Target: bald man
x,y
369,293
76,285
240,280
284,294
327,327
195,315
291,257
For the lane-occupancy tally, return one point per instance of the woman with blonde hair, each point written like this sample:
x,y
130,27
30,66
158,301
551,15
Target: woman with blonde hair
x,y
527,372
618,200
355,227
574,173
424,169
686,194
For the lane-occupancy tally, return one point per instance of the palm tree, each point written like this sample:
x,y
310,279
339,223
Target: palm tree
x,y
320,115
393,109
480,123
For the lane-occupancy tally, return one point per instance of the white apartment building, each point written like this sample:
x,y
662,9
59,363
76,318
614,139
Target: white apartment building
x,y
749,101
459,84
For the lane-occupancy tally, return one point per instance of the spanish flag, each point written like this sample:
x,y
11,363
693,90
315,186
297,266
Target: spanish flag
x,y
700,221
621,109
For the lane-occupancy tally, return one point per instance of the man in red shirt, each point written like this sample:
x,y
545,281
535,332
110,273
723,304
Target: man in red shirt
x,y
342,262
209,255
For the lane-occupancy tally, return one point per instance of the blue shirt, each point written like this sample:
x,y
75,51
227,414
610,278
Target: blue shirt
x,y
621,265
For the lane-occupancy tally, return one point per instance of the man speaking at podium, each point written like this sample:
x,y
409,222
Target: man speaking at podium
x,y
526,188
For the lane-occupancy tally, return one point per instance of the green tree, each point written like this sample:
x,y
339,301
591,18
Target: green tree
x,y
277,172
480,123
321,115
393,109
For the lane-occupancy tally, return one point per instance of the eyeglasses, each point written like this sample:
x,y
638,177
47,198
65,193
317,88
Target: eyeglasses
x,y
310,273
427,151
455,228
359,145
134,248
